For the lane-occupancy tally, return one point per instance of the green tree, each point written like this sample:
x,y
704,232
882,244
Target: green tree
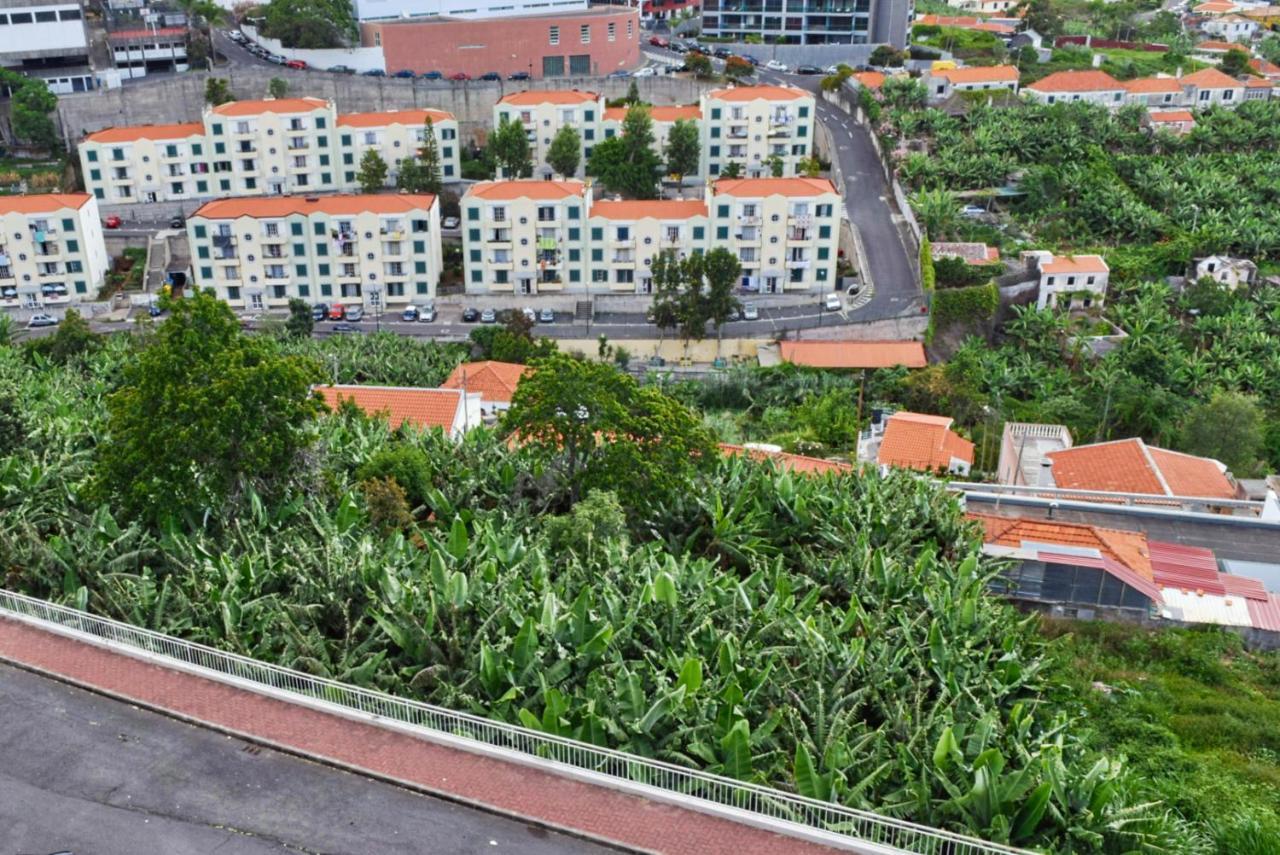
x,y
73,340
373,172
1269,48
732,169
628,164
1043,16
409,176
31,103
667,278
633,93
202,414
886,55
508,148
311,24
720,272
700,65
300,322
600,429
278,87
937,211
217,91
736,68
1235,62
564,155
684,149
430,173
1229,428
776,166
811,167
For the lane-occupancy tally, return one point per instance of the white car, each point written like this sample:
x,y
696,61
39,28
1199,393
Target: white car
x,y
973,211
450,222
41,320
647,71
774,65
750,312
832,303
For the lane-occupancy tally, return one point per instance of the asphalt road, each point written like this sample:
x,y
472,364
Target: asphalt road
x,y
91,776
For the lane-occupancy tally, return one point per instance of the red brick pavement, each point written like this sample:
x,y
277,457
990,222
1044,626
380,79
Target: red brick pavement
x,y
507,787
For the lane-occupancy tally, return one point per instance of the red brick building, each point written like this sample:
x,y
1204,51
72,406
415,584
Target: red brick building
x,y
568,44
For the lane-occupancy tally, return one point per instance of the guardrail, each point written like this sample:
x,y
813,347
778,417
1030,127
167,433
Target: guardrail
x,y
1156,500
552,753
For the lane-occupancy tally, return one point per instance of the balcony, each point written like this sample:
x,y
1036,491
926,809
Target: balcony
x,y
800,235
499,236
623,258
797,264
778,132
800,221
392,234
275,276
739,133
746,220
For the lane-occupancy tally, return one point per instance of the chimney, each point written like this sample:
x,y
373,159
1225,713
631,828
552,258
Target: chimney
x,y
1044,478
1178,74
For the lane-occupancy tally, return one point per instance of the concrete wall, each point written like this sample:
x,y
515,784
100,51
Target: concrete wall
x,y
180,98
793,55
904,327
360,58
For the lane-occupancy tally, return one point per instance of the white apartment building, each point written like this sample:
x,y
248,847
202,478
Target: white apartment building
x,y
530,237
381,252
543,112
1070,281
252,148
663,118
51,250
750,125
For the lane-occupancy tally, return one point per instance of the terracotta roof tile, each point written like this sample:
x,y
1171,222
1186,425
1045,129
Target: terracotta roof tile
x,y
791,462
1258,83
752,93
1188,475
1077,81
283,206
147,132
869,79
495,381
42,203
923,442
1172,116
1264,67
392,117
1210,78
1131,466
754,188
1215,7
1130,548
505,191
534,97
637,209
854,354
1075,264
691,112
980,74
271,105
1217,46
1153,85
421,408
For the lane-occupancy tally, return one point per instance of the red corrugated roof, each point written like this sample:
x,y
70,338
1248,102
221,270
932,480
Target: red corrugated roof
x,y
1243,586
1188,568
1265,614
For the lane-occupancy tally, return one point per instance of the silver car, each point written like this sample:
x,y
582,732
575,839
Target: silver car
x,y
750,312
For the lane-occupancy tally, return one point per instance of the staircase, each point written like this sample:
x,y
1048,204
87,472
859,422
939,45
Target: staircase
x,y
583,312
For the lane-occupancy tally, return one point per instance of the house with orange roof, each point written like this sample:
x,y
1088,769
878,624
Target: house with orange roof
x,y
450,410
752,125
543,112
1258,88
1132,466
1266,69
945,82
1232,27
378,252
1266,16
773,454
1161,92
853,354
52,250
1215,7
495,382
1177,122
1069,281
964,22
916,441
872,80
1209,87
1091,86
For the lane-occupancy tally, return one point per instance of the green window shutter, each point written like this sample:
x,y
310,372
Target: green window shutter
x,y
219,148
300,269
324,160
424,288
350,176
419,267
722,210
573,212
590,115
299,249
73,246
324,142
575,233
722,233
824,253
206,273
715,113
477,276
326,178
320,122
804,112
322,249
202,186
199,231
715,132
304,290
473,213
473,235
597,233
197,149
318,228
81,288
575,255
475,256
224,185
326,290
296,228
824,231
802,131
822,274
346,139
419,246
68,225
217,129
597,255
98,194
95,174
202,252
715,152
575,276
699,232
92,155
322,269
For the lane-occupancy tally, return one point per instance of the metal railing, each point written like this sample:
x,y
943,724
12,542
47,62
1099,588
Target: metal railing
x,y
550,751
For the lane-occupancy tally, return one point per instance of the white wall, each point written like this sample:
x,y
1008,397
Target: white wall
x,y
361,58
56,35
387,9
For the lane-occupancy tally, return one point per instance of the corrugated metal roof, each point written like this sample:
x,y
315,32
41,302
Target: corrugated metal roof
x,y
1190,568
1243,586
1193,607
1265,614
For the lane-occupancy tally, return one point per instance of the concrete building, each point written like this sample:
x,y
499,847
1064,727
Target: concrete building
x,y
581,42
454,411
51,250
495,383
1069,281
525,237
391,10
1093,86
1023,450
1225,270
750,125
379,252
1209,87
916,441
626,235
47,39
543,112
140,50
250,148
844,22
1231,27
944,83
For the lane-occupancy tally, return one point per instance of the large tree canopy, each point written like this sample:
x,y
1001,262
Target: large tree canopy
x,y
310,23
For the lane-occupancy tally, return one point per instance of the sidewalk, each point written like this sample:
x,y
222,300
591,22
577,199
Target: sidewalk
x,y
504,787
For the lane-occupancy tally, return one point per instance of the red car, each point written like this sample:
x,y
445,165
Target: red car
x,y
461,75
296,63
337,312
112,222
659,41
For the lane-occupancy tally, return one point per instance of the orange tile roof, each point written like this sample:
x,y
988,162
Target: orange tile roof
x,y
1215,7
271,105
1153,85
963,22
754,188
751,93
791,462
869,79
1131,466
1172,116
534,97
392,117
505,191
1265,67
980,74
658,114
283,206
923,442
421,408
1210,78
42,203
659,209
1127,547
1258,83
495,381
1077,81
853,354
1215,46
147,132
1075,264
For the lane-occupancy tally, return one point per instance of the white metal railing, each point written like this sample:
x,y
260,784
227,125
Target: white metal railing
x,y
781,807
1106,496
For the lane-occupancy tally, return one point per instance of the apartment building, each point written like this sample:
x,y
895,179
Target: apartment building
x,y
524,237
543,112
381,252
663,118
51,250
848,22
530,237
47,39
395,135
751,125
253,148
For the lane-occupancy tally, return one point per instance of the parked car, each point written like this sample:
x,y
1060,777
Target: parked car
x,y
450,222
488,316
341,69
470,315
529,315
405,74
659,41
432,75
355,313
374,72
518,75
722,53
154,311
547,316
427,314
973,211
236,36
647,71
459,75
409,314
808,69
178,222
774,65
41,320
734,315
337,312
276,59
832,303
343,328
319,311
751,59
112,222
491,75
296,63
620,73
750,312
678,47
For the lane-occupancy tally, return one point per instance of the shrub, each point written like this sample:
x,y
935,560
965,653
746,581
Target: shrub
x,y
407,465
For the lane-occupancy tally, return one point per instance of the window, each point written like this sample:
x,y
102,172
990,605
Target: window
x,y
722,233
699,232
46,17
555,35
584,34
92,155
580,64
613,32
553,66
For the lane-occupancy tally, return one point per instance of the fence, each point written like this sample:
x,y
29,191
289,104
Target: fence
x,y
554,754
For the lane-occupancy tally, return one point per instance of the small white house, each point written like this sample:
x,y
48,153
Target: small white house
x,y
1078,281
1232,272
